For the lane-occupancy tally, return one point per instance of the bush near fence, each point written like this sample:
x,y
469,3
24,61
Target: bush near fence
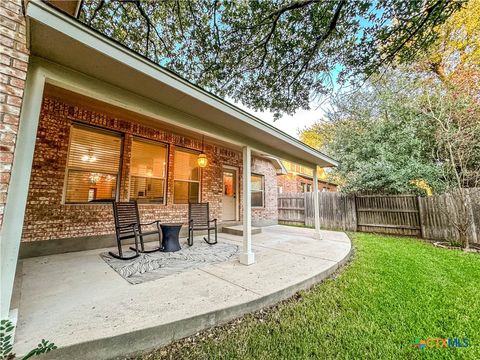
x,y
426,217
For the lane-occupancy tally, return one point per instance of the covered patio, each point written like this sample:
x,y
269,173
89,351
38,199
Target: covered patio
x,y
77,301
101,124
98,99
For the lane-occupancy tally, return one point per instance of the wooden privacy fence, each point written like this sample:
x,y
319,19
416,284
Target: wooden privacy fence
x,y
337,210
427,217
388,214
436,212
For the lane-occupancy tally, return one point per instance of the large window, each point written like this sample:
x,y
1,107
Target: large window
x,y
93,165
147,172
186,188
258,188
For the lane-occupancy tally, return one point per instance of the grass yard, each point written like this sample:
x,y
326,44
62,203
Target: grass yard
x,y
394,291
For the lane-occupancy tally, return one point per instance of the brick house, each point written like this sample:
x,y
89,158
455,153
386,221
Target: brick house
x,y
85,121
299,179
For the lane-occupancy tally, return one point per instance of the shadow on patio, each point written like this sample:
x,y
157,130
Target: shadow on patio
x,y
79,302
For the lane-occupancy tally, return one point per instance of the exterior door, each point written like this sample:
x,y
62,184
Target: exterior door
x,y
229,197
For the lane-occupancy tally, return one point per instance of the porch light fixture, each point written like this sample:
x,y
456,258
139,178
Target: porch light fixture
x,y
202,157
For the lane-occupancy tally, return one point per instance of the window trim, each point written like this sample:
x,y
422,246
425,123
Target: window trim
x,y
165,179
262,191
199,181
120,135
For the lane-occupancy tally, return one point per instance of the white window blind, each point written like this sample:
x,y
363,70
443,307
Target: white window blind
x,y
147,171
186,177
258,188
93,165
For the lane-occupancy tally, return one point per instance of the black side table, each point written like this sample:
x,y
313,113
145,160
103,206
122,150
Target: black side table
x,y
170,234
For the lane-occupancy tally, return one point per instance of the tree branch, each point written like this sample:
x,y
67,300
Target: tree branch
x,y
95,12
429,12
320,39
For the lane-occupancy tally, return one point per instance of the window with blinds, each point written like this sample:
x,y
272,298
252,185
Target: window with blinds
x,y
148,171
186,187
93,165
258,189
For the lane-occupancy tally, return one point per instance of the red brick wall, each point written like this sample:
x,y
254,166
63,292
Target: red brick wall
x,y
13,72
268,214
327,186
289,183
47,218
293,183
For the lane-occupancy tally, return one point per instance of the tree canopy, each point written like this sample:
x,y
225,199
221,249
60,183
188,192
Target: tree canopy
x,y
379,139
457,46
416,125
273,55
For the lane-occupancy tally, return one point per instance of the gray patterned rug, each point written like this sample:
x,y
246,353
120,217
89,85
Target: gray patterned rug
x,y
157,265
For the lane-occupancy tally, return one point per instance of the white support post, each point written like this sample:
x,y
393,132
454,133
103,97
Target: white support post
x,y
316,204
247,257
14,212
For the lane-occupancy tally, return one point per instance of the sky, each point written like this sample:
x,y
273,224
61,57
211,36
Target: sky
x,y
302,118
289,124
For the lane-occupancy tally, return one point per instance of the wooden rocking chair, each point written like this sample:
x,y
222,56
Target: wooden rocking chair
x,y
128,226
199,219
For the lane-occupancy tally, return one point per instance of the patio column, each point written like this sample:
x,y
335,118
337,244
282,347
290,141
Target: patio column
x,y
14,212
247,257
316,204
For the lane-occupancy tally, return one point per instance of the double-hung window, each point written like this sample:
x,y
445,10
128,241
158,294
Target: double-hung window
x,y
186,185
93,165
258,189
148,172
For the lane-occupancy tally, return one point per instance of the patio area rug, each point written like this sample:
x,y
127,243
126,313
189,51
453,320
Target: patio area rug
x,y
153,266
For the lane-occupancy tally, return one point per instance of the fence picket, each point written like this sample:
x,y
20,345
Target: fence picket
x,y
426,217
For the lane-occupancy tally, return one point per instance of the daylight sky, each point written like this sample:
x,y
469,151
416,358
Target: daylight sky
x,y
302,118
289,124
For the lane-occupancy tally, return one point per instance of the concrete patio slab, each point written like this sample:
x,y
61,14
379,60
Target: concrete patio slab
x,y
333,247
77,301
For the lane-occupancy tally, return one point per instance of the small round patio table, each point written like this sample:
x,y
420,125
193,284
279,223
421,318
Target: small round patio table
x,y
170,235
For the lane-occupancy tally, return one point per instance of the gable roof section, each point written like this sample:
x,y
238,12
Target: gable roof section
x,y
65,41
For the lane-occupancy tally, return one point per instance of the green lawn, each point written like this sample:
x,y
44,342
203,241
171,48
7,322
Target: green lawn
x,y
394,290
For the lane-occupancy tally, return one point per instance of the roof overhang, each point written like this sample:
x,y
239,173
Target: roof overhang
x,y
277,164
71,47
70,7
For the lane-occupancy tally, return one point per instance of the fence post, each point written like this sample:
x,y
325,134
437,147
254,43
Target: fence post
x,y
316,203
305,206
421,213
472,217
356,211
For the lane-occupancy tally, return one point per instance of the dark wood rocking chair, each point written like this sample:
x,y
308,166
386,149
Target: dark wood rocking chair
x,y
128,226
199,219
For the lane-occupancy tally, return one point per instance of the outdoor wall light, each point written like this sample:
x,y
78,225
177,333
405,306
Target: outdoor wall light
x,y
202,157
202,160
